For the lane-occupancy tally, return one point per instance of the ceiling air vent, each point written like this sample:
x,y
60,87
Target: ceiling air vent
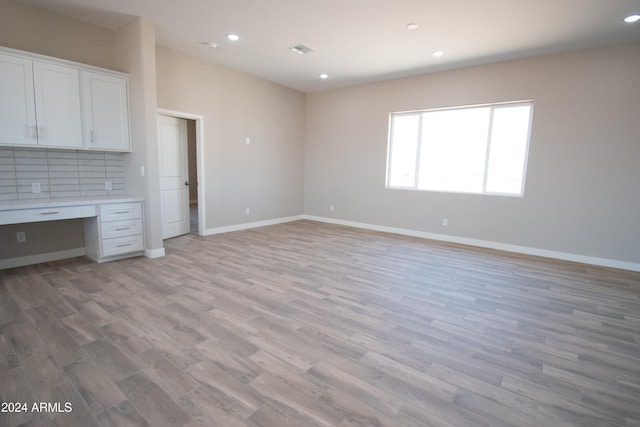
x,y
300,49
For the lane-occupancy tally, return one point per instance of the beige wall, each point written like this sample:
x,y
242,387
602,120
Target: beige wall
x,y
132,50
42,237
329,148
266,175
36,30
581,194
135,44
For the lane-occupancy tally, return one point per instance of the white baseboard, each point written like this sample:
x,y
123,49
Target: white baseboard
x,y
248,225
154,253
39,258
157,253
584,259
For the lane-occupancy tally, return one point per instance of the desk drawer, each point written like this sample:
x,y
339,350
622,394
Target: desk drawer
x,y
122,245
120,211
128,227
48,214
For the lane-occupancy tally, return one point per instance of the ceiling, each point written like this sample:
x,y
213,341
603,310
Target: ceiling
x,y
360,41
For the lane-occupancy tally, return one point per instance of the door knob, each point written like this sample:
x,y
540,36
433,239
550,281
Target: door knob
x,y
186,183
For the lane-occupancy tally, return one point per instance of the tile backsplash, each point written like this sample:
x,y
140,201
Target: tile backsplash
x,y
60,173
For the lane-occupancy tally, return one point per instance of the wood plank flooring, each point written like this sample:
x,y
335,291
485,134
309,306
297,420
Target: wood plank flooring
x,y
310,324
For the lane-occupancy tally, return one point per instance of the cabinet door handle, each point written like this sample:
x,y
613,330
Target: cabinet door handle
x,y
92,136
49,213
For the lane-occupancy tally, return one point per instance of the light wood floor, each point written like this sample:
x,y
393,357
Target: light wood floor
x,y
309,324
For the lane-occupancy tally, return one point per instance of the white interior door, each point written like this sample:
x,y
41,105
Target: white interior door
x,y
174,175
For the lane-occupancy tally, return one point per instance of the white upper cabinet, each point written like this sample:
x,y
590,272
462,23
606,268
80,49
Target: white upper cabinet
x,y
105,112
17,102
40,103
52,103
57,92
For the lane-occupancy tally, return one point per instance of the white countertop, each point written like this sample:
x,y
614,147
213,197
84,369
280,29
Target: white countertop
x,y
12,205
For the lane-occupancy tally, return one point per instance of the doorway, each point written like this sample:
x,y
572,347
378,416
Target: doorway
x,y
192,162
181,173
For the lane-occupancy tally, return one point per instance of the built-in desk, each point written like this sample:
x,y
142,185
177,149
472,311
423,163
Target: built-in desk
x,y
113,226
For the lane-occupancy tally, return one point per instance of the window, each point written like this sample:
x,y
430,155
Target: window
x,y
480,149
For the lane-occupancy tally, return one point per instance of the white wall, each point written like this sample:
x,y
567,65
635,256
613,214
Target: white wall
x,y
581,194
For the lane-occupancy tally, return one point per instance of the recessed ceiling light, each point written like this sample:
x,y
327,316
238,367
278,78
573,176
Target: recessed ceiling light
x,y
233,37
324,76
632,18
412,26
438,53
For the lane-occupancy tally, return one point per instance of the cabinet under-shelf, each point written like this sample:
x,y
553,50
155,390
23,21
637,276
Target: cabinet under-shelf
x,y
113,227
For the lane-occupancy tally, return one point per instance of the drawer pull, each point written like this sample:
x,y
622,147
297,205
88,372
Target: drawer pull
x,y
122,212
124,245
122,228
49,213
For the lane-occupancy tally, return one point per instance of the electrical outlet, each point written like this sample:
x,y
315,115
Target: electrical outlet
x,y
247,211
35,187
108,185
247,140
21,237
445,222
331,208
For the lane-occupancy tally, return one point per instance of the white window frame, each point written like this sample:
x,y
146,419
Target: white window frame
x,y
493,107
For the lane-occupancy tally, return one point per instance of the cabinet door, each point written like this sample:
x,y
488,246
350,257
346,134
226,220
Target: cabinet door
x,y
105,109
57,90
17,105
